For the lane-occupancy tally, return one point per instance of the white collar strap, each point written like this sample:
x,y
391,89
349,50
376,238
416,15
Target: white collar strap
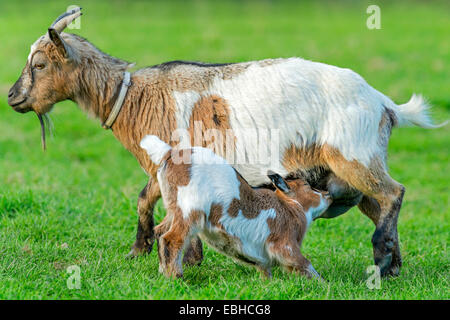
x,y
126,82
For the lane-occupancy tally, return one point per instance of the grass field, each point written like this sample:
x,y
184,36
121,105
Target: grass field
x,y
76,203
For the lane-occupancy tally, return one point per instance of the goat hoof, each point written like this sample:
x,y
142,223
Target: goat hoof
x,y
131,255
384,263
136,252
393,271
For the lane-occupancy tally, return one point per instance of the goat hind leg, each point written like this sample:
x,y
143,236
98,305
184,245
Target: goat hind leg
x,y
371,208
385,238
382,202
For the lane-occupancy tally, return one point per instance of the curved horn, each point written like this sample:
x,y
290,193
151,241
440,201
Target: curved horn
x,y
65,19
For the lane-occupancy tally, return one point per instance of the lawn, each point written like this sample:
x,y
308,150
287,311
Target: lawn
x,y
76,203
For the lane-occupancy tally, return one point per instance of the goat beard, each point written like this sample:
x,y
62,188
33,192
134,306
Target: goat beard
x,y
44,120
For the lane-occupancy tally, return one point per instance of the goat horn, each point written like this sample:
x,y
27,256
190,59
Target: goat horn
x,y
65,19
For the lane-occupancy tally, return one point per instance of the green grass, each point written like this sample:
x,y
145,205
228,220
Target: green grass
x,y
76,203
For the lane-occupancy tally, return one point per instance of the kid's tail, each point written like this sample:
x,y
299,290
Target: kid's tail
x,y
415,112
155,147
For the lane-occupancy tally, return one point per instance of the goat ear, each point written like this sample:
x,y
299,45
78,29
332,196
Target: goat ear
x,y
278,181
59,42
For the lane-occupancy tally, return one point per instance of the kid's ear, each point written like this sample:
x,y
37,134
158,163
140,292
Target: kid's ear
x,y
278,181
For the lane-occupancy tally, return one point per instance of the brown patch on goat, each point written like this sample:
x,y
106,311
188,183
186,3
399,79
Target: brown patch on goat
x,y
362,178
215,215
365,179
295,157
247,199
301,192
179,173
211,113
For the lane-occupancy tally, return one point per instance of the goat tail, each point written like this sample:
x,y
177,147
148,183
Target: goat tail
x,y
415,112
155,148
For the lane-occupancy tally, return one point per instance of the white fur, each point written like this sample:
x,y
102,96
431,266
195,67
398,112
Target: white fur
x,y
212,181
184,104
308,102
34,47
155,148
253,233
415,112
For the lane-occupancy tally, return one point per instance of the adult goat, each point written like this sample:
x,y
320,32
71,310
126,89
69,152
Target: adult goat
x,y
332,127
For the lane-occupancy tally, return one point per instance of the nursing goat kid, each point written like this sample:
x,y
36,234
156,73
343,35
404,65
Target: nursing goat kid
x,y
205,196
333,128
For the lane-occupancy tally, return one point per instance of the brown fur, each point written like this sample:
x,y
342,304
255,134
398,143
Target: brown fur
x,y
210,113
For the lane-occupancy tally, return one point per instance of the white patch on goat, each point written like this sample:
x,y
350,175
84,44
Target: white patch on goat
x,y
253,233
34,47
155,148
212,180
309,102
184,102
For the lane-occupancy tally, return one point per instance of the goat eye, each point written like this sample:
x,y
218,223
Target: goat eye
x,y
39,66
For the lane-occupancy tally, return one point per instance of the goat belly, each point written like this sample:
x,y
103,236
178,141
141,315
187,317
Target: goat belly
x,y
228,245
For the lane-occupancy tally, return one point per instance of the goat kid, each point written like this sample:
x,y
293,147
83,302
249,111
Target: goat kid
x,y
205,196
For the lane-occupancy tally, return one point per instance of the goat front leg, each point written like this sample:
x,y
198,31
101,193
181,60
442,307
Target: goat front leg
x,y
291,259
172,243
297,263
145,236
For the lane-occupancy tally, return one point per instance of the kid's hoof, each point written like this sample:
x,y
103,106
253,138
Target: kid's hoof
x,y
136,252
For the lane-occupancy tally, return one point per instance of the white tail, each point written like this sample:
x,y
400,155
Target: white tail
x,y
155,147
416,112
